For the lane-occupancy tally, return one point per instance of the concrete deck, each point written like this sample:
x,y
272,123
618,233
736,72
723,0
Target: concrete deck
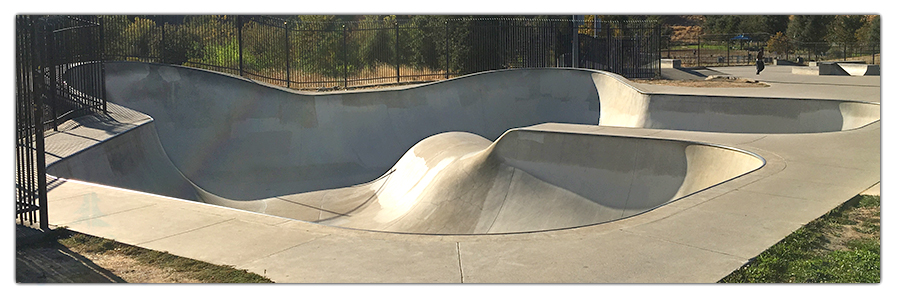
x,y
699,238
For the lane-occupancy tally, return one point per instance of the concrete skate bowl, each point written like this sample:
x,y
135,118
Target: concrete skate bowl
x,y
414,160
628,107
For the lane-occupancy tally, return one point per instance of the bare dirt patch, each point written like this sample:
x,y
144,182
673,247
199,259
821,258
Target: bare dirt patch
x,y
62,256
859,223
134,271
713,82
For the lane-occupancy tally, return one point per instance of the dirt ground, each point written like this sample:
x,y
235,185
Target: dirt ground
x,y
51,262
709,83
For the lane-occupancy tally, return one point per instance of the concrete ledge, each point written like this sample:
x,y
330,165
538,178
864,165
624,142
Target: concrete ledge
x,y
669,63
817,63
783,62
805,70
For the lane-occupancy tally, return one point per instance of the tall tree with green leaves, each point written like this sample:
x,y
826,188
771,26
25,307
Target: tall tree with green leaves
x,y
842,33
843,28
809,31
809,28
773,24
722,24
780,44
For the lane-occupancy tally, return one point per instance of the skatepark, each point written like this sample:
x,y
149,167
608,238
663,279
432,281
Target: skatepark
x,y
511,176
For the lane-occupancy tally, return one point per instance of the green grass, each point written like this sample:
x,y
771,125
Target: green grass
x,y
802,257
202,271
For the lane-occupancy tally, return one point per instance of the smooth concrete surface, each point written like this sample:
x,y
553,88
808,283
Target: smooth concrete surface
x,y
783,84
714,223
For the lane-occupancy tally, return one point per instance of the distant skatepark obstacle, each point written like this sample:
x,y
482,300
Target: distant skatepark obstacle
x,y
852,68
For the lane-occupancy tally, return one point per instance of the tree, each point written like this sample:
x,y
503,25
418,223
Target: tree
x,y
842,33
722,24
843,28
775,23
377,40
780,44
871,31
810,31
809,28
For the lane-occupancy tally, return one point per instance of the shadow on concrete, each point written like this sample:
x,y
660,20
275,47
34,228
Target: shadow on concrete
x,y
688,73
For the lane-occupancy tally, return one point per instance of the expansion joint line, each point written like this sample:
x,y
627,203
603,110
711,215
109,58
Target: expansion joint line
x,y
186,231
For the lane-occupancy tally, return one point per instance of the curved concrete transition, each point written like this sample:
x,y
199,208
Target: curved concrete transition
x,y
338,159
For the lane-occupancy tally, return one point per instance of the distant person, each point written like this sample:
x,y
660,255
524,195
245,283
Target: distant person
x,y
759,62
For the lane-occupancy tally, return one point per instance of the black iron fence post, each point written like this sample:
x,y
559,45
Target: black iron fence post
x,y
162,45
845,51
698,49
41,165
609,47
102,60
574,41
43,89
873,53
728,53
50,65
447,49
397,48
658,37
287,53
344,52
240,27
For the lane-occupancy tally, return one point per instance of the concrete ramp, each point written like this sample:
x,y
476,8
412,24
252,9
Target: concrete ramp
x,y
134,160
246,141
454,157
627,107
536,180
460,183
855,68
861,69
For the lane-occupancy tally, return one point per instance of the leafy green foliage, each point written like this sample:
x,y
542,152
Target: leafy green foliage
x,y
329,48
842,28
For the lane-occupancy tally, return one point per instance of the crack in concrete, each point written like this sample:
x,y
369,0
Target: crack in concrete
x,y
459,262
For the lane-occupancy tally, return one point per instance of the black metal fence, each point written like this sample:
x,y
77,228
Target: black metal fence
x,y
31,200
300,53
726,49
51,87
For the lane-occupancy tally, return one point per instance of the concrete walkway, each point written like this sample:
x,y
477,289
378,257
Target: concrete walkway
x,y
697,239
